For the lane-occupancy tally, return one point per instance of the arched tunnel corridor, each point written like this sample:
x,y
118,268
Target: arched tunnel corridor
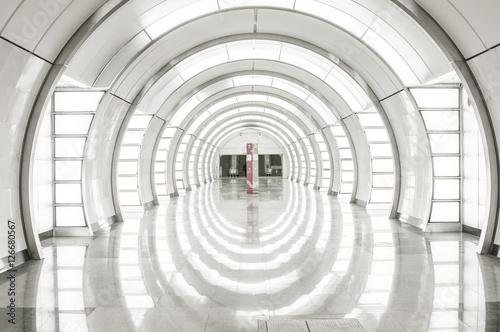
x,y
125,205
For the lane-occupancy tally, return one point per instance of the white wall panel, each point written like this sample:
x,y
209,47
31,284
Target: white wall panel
x,y
106,41
408,39
8,8
31,21
65,26
415,157
335,162
164,87
361,153
486,68
21,75
482,16
42,175
474,171
121,59
146,160
98,159
171,162
471,24
45,26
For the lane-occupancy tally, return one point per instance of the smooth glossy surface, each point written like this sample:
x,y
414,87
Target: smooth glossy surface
x,y
217,259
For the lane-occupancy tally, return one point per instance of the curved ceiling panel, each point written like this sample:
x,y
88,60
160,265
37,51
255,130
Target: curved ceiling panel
x,y
190,91
44,27
360,33
258,97
473,25
290,130
299,57
291,126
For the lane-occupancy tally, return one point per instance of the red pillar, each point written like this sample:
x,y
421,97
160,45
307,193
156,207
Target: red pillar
x,y
250,185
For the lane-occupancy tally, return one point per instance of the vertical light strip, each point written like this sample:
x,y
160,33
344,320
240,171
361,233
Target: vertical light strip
x,y
440,108
128,162
161,163
381,157
346,162
72,114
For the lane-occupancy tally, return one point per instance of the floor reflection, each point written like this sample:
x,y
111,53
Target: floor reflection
x,y
217,259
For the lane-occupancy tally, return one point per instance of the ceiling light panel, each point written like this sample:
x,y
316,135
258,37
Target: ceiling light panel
x,y
202,61
252,80
254,49
179,15
307,60
334,15
225,4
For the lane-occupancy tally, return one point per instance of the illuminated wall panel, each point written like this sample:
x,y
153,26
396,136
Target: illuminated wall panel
x,y
72,115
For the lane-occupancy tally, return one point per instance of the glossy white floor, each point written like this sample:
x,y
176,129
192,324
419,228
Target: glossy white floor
x,y
218,259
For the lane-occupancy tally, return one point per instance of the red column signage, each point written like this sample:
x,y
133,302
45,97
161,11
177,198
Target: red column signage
x,y
250,185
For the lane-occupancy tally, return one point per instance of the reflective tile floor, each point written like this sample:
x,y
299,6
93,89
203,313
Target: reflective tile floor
x,y
217,259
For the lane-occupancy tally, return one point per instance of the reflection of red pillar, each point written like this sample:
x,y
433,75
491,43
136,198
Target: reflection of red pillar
x,y
249,168
250,226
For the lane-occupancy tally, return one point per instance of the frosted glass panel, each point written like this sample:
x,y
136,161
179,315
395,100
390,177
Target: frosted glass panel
x,y
139,122
381,150
345,153
68,170
164,143
382,165
446,189
342,142
444,143
347,165
72,124
160,178
127,183
441,120
127,167
347,176
370,120
161,190
346,188
436,97
338,131
69,216
77,101
133,137
129,198
169,132
383,180
160,166
129,152
69,147
446,166
376,135
161,155
381,196
445,212
68,193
